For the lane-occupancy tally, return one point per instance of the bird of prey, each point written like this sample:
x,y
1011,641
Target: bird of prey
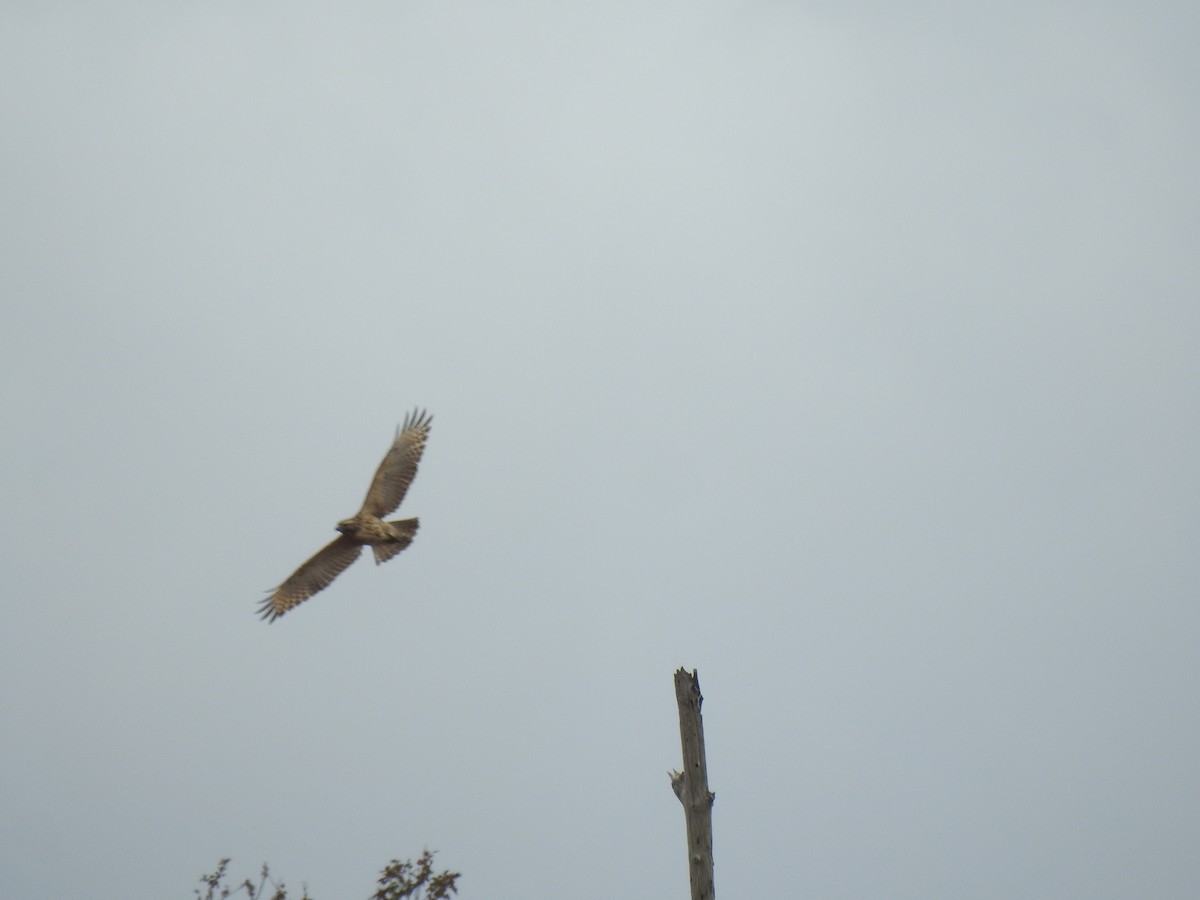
x,y
367,527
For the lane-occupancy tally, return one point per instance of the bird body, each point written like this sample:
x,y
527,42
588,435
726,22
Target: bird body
x,y
367,527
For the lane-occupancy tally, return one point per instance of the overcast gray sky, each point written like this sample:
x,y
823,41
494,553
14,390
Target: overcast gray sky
x,y
845,352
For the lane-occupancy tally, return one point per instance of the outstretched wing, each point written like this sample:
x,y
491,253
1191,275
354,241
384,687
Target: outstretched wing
x,y
399,467
316,574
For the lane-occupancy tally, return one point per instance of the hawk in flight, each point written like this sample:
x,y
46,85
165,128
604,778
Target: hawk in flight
x,y
386,539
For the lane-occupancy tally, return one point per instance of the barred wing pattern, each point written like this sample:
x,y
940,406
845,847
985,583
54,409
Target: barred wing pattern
x,y
316,574
399,467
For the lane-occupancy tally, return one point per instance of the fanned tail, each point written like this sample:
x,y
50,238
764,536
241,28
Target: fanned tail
x,y
408,530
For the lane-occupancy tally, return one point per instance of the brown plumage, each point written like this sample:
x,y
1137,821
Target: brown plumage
x,y
367,527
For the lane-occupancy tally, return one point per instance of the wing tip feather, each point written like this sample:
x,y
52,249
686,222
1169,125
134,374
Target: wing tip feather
x,y
419,418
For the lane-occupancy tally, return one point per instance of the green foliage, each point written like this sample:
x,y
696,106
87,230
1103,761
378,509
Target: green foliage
x,y
406,879
397,880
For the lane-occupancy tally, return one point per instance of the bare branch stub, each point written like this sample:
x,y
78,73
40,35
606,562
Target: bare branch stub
x,y
691,785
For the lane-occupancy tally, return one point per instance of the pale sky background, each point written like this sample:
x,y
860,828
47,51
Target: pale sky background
x,y
847,352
